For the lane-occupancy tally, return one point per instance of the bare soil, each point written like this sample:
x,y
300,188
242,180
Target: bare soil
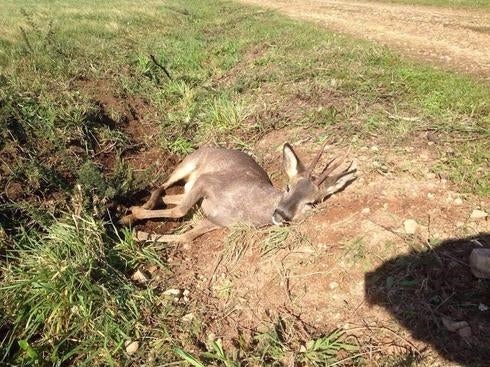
x,y
351,264
457,39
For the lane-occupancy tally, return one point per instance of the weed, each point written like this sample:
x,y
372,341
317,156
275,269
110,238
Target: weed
x,y
354,250
324,350
181,146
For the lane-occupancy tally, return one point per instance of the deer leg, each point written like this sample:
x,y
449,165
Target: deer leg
x,y
182,171
188,200
153,200
173,199
201,228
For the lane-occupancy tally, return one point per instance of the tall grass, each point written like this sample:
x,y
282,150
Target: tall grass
x,y
66,296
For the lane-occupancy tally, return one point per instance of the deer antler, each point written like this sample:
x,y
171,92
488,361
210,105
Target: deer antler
x,y
315,161
332,184
329,168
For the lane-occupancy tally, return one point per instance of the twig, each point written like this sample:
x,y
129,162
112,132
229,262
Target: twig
x,y
160,66
355,356
395,334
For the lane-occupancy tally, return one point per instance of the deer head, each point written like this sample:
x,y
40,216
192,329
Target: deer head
x,y
304,188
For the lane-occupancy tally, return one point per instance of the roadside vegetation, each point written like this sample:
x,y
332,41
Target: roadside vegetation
x,y
92,94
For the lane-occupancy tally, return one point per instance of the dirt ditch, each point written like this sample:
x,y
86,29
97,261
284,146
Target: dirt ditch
x,y
352,264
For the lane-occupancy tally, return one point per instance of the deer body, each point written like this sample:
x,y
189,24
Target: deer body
x,y
235,189
229,181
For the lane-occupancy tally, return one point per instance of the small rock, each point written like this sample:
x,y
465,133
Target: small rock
x,y
430,175
430,196
365,211
131,347
454,325
374,148
410,226
188,317
482,307
478,214
172,292
465,332
139,277
458,201
152,269
333,285
480,263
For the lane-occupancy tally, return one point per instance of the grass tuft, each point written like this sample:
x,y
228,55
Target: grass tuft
x,y
66,296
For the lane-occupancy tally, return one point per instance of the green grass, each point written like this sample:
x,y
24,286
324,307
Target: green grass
x,y
73,76
67,298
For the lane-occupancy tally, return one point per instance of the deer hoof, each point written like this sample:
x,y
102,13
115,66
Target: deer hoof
x,y
127,220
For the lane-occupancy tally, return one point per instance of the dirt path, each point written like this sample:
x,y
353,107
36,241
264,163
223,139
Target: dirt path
x,y
453,38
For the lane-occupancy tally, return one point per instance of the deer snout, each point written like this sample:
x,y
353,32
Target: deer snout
x,y
279,217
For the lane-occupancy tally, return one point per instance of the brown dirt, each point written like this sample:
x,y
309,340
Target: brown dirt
x,y
453,38
136,118
329,274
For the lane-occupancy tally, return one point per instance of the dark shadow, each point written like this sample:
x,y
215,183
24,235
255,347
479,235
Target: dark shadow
x,y
422,288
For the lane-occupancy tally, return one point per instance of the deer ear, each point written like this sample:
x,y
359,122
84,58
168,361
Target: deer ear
x,y
292,164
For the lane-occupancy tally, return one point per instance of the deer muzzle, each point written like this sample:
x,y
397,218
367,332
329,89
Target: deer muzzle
x,y
280,218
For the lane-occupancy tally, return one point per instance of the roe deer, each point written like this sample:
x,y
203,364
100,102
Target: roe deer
x,y
235,189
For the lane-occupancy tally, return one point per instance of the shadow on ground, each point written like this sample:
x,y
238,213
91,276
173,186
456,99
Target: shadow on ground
x,y
422,289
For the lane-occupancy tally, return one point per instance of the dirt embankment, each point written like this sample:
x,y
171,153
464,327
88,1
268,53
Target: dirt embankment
x,y
457,39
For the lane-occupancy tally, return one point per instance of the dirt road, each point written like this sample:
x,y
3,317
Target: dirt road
x,y
458,39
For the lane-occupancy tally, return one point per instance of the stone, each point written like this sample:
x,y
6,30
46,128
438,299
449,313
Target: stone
x,y
458,201
478,214
173,292
333,285
430,175
480,263
131,347
365,211
139,277
453,325
410,226
188,317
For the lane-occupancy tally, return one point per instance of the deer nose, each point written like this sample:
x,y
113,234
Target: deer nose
x,y
279,218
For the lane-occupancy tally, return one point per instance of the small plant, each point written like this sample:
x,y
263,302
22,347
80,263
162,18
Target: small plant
x,y
324,350
223,116
181,146
354,250
216,354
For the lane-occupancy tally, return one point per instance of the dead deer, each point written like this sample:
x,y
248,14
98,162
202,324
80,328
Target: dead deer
x,y
235,189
